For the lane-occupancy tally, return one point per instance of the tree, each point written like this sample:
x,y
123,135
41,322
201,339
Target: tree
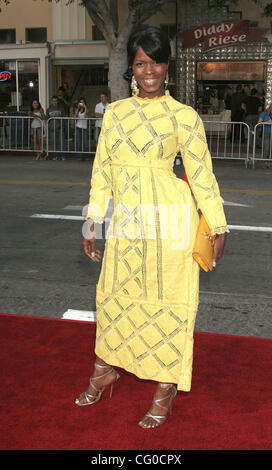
x,y
105,15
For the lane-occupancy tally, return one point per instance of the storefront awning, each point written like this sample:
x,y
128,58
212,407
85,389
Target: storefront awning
x,y
83,52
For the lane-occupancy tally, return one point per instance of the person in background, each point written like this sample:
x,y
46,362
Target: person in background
x,y
266,116
55,129
64,101
261,96
37,112
228,99
81,128
237,114
227,112
252,108
99,114
67,92
246,90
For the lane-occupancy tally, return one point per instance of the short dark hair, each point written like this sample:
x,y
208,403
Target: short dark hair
x,y
39,104
254,91
154,42
54,97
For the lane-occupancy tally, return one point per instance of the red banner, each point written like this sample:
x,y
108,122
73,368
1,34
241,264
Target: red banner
x,y
222,34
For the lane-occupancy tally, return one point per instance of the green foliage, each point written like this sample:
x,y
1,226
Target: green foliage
x,y
268,9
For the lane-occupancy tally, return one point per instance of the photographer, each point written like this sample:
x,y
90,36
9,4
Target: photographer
x,y
99,114
81,129
64,102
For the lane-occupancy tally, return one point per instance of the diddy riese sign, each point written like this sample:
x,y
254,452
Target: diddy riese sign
x,y
222,34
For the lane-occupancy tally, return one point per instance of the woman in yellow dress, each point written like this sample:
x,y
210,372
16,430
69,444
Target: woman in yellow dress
x,y
147,292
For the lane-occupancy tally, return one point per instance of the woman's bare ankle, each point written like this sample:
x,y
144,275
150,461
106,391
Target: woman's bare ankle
x,y
100,361
160,406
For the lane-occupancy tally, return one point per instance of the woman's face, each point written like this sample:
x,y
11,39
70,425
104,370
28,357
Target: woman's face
x,y
35,104
149,75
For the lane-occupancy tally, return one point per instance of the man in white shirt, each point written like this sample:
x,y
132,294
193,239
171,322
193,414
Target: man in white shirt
x,y
99,113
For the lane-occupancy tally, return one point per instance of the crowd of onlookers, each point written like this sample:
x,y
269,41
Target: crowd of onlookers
x,y
59,127
245,105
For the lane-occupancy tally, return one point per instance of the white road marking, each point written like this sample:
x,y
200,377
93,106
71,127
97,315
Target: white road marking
x,y
249,228
74,208
82,315
235,204
52,216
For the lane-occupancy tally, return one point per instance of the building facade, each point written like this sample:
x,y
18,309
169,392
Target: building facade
x,y
46,44
219,49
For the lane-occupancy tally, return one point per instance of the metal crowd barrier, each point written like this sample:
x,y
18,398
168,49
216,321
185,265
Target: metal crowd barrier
x,y
70,135
228,140
59,136
21,133
56,136
262,143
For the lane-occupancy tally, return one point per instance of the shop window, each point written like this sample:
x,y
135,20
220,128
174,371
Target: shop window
x,y
97,76
216,81
96,34
170,30
8,101
172,77
28,83
36,34
7,36
19,85
84,80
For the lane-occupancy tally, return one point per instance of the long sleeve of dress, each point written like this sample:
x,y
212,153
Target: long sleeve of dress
x,y
101,180
198,166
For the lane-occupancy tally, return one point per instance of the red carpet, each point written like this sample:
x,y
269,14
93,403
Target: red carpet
x,y
46,363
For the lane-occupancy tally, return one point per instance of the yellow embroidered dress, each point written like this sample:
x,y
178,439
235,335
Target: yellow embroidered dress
x,y
147,292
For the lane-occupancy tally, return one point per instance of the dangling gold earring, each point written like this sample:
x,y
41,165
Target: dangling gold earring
x,y
134,86
166,80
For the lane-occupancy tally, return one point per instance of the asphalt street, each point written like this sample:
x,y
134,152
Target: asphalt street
x,y
44,271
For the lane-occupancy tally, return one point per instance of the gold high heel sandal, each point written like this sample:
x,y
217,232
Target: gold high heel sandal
x,y
158,420
88,397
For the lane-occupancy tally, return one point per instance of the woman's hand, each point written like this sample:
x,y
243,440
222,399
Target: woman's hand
x,y
88,245
218,247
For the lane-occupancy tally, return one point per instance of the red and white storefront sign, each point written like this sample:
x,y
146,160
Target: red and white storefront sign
x,y
222,34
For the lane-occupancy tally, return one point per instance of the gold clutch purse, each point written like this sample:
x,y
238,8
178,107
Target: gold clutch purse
x,y
203,247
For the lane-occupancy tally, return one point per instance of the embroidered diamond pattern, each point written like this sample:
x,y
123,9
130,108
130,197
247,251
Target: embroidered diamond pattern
x,y
138,328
